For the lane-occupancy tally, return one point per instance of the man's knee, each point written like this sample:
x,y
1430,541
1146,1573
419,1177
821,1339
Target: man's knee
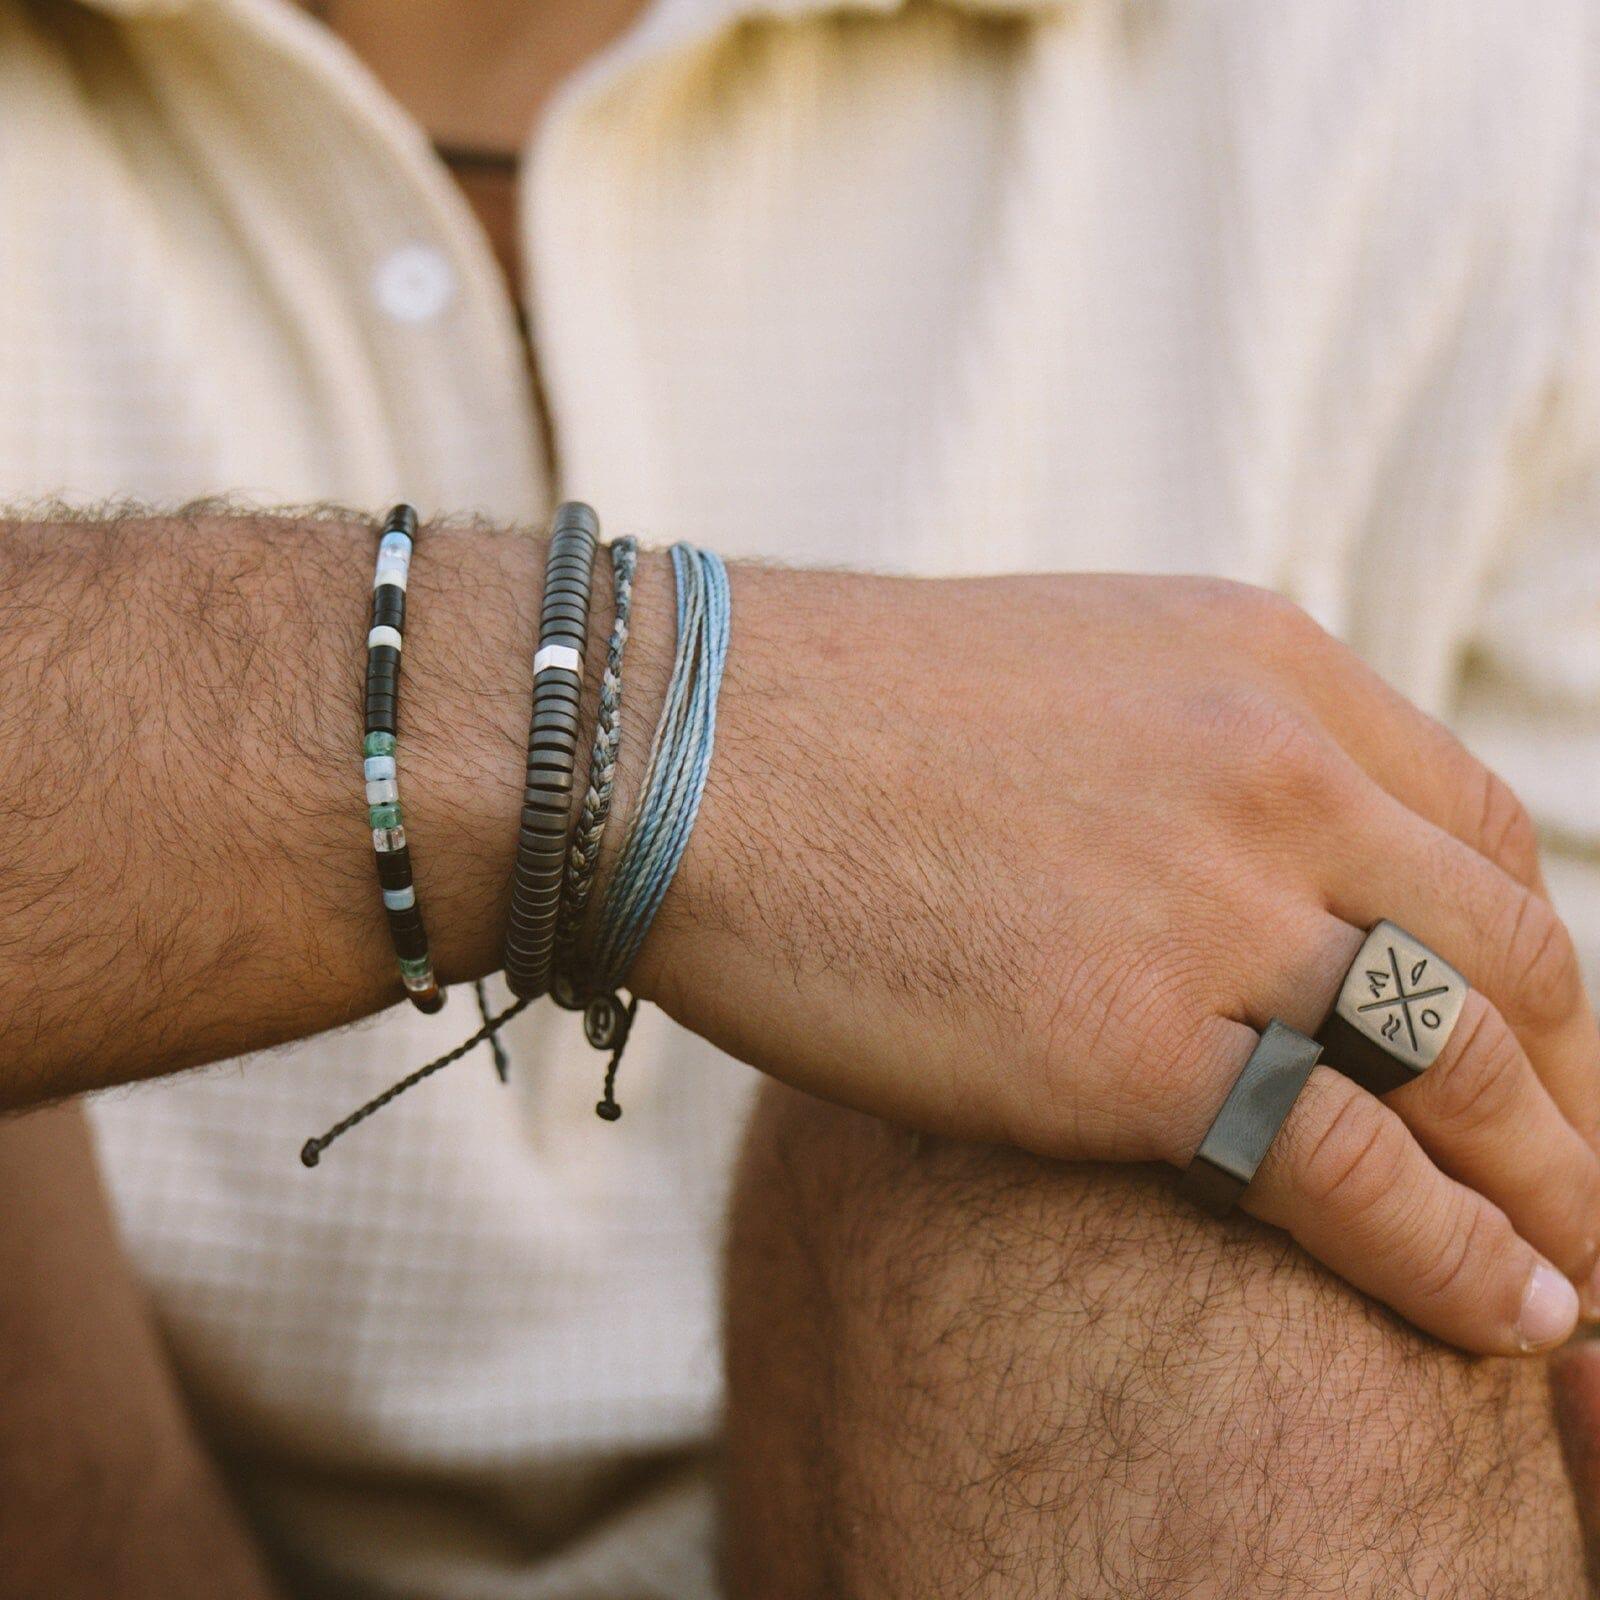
x,y
965,1370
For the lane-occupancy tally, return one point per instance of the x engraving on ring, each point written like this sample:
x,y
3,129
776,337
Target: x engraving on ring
x,y
1395,1013
1377,982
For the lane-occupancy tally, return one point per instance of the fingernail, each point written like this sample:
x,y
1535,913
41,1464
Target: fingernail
x,y
1549,1309
1591,1296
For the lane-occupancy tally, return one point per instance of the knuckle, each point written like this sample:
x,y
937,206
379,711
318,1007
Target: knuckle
x,y
1263,625
1465,1252
1505,830
1543,961
1235,599
1274,752
1115,995
1273,617
1479,1085
1353,1162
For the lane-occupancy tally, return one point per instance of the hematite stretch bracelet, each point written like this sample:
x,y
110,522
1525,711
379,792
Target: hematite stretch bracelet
x,y
396,540
552,750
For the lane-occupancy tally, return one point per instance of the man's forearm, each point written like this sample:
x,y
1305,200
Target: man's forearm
x,y
1025,858
186,874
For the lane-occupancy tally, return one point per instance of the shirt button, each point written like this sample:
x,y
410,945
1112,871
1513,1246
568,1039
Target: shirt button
x,y
414,283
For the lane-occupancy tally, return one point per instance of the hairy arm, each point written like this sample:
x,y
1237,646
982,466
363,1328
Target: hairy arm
x,y
186,874
1025,859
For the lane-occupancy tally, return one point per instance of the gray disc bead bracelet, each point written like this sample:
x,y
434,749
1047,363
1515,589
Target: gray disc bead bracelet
x,y
552,750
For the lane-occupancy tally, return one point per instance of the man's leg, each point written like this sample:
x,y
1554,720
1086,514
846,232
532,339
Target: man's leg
x,y
966,1372
106,1492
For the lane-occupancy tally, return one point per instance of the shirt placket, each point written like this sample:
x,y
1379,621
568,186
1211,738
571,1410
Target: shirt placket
x,y
447,413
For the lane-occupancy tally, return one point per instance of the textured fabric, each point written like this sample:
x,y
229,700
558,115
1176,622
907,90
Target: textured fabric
x,y
1301,294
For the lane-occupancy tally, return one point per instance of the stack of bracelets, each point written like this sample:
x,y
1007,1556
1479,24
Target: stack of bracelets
x,y
557,850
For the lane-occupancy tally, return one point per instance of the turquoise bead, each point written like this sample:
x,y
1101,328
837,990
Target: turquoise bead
x,y
385,816
378,744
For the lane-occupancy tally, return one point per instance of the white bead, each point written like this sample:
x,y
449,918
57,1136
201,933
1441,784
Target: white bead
x,y
387,840
400,899
383,634
394,560
557,655
414,283
382,792
378,767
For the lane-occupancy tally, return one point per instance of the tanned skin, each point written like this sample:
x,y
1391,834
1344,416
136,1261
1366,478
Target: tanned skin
x,y
216,895
957,1372
874,907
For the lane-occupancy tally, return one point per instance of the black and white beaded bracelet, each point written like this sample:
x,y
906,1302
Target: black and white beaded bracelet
x,y
379,748
552,750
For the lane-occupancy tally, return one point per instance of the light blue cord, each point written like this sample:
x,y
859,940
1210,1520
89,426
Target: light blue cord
x,y
675,775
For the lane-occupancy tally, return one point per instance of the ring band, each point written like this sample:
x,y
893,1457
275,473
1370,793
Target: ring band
x,y
1396,1010
1257,1106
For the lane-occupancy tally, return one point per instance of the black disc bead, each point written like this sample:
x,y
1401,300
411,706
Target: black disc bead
x,y
394,868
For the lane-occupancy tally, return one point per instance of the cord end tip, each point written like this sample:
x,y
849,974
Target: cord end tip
x,y
608,1110
310,1153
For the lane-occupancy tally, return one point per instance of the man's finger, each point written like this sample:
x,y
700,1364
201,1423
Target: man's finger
x,y
1346,1178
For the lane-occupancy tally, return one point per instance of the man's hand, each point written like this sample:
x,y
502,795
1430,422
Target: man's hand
x,y
1029,859
1022,859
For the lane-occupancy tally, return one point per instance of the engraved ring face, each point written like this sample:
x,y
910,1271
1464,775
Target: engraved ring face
x,y
1402,997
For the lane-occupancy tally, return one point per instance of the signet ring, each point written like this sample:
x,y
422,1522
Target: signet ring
x,y
1396,1010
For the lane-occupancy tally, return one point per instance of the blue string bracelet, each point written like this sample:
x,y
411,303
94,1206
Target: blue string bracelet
x,y
670,792
379,763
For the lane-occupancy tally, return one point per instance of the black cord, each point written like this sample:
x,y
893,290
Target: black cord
x,y
608,1110
311,1150
502,1062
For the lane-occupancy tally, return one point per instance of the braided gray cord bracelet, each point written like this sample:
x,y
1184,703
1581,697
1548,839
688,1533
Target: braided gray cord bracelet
x,y
584,853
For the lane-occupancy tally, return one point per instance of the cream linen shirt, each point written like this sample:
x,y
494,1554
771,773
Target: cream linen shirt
x,y
1302,294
